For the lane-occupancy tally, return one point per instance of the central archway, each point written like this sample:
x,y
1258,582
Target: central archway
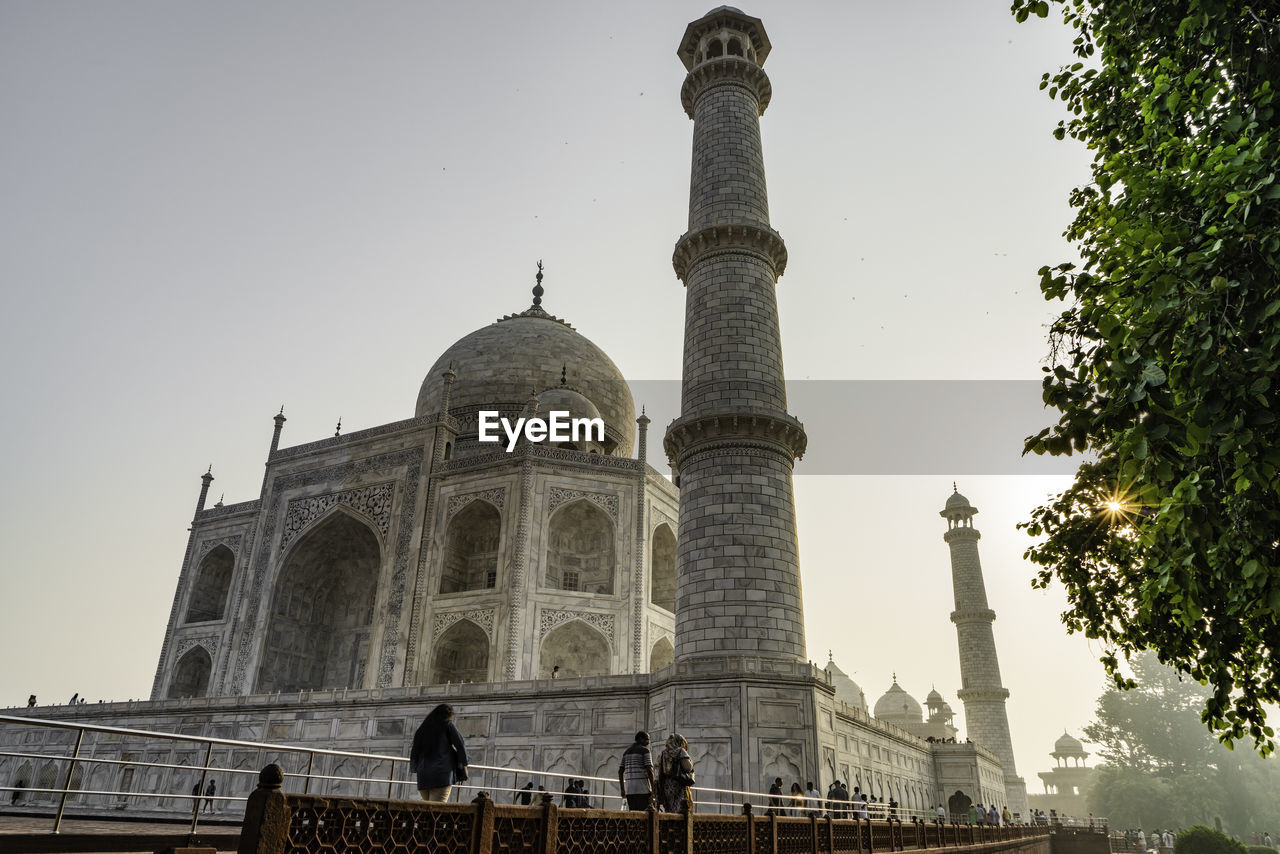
x,y
461,655
577,649
191,676
318,630
580,553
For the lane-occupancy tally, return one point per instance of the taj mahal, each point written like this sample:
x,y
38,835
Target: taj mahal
x,y
562,596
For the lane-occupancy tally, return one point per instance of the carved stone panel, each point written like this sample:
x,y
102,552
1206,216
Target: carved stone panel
x,y
550,618
482,617
372,502
496,497
559,495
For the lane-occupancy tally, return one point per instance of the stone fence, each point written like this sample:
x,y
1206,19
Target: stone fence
x,y
276,822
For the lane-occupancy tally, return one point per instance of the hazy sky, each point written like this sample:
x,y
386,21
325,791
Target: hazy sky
x,y
208,210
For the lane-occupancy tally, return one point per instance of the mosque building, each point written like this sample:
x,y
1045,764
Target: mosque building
x,y
1066,785
563,595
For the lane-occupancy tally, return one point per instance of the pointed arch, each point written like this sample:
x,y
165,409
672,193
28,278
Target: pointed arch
x,y
20,779
662,655
461,654
191,674
48,779
662,568
580,549
322,608
470,560
208,600
576,648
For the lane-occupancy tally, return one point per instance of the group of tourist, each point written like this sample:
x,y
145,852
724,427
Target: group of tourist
x,y
669,788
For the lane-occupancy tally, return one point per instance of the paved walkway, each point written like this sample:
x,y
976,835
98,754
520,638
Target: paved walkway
x,y
32,832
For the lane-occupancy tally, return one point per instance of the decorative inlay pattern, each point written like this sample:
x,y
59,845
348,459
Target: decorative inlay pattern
x,y
496,497
558,495
548,620
232,543
373,502
209,642
482,617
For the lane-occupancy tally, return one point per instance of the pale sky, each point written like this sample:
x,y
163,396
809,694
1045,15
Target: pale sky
x,y
208,210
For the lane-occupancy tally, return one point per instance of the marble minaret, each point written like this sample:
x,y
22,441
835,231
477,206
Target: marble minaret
x,y
982,693
734,445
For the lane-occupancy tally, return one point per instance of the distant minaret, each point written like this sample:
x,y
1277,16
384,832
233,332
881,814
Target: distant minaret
x,y
734,445
983,693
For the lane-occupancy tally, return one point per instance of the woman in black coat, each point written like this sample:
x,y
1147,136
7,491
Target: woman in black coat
x,y
438,757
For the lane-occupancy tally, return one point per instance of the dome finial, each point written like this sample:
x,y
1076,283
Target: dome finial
x,y
337,431
564,369
537,288
954,488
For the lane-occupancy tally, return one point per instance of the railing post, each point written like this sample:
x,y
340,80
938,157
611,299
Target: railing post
x,y
831,835
266,815
482,836
655,835
688,828
773,831
813,832
550,830
311,761
921,831
66,784
751,828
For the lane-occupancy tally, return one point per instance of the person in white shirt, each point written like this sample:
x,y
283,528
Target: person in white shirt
x,y
813,800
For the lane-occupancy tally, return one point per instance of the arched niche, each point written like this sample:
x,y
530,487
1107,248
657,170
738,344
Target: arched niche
x,y
191,676
212,584
322,609
471,549
662,572
577,649
661,656
20,779
461,654
580,552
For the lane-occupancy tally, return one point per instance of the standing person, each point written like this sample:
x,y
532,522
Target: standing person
x,y
1142,840
675,776
1006,816
775,797
524,797
438,756
209,791
1266,840
813,801
797,800
31,701
942,814
635,773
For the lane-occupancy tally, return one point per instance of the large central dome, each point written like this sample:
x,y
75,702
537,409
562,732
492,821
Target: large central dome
x,y
500,365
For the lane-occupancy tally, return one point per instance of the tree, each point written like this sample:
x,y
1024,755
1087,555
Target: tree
x,y
1163,768
1199,839
1164,358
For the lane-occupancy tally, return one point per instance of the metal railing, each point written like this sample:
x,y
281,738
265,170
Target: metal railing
x,y
235,765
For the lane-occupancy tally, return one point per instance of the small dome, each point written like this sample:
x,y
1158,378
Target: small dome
x,y
565,399
498,364
934,698
1069,746
897,706
957,501
847,691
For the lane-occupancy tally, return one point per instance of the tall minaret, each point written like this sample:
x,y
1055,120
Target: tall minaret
x,y
983,693
733,447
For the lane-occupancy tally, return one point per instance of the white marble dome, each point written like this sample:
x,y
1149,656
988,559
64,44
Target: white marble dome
x,y
498,365
897,706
